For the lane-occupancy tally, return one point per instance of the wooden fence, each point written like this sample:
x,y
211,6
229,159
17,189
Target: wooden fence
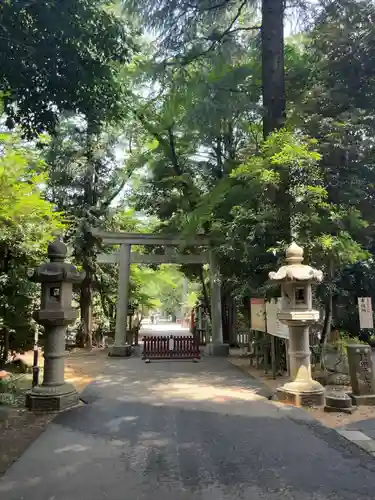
x,y
170,347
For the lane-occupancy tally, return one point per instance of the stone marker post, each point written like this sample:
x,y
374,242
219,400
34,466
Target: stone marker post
x,y
297,312
56,313
361,372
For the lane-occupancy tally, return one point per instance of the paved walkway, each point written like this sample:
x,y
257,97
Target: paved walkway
x,y
362,433
185,431
164,328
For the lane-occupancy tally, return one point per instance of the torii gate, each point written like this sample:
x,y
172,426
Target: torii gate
x,y
125,257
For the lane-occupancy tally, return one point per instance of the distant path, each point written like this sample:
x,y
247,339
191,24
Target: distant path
x,y
163,328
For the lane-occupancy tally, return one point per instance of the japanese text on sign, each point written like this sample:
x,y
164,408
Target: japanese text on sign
x,y
365,312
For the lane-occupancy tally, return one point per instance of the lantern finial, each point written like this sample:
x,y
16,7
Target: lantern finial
x,y
294,254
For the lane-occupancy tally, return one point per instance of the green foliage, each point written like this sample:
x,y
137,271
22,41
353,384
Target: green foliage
x,y
164,288
26,218
56,59
317,223
190,157
27,223
345,340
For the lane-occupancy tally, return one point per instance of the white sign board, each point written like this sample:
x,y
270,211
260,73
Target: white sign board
x,y
365,312
258,312
274,326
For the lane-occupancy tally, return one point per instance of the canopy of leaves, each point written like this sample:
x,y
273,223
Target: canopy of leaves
x,y
26,218
56,59
187,29
207,168
194,140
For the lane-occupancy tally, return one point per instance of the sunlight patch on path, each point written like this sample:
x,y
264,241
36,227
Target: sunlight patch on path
x,y
202,392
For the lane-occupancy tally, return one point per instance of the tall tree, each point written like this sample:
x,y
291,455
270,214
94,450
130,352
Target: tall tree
x,y
191,30
338,108
273,78
86,175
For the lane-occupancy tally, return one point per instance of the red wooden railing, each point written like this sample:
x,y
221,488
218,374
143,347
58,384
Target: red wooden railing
x,y
170,347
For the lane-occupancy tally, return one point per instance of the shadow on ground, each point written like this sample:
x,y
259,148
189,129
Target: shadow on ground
x,y
182,381
174,431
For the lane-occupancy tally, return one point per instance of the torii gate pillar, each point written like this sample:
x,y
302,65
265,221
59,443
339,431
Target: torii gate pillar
x,y
120,348
217,347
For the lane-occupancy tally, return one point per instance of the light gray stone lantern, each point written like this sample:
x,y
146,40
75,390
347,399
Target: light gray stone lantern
x,y
297,313
56,313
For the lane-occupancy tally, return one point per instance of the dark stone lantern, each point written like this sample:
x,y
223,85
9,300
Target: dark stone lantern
x,y
56,313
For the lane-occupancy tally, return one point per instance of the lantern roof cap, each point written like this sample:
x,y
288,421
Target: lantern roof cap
x,y
57,251
295,270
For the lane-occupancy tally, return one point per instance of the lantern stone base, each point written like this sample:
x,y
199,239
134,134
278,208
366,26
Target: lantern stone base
x,y
52,399
304,399
220,350
120,351
365,400
302,394
136,351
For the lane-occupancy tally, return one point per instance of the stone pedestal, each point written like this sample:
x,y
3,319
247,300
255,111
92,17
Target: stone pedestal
x,y
295,397
52,399
120,351
361,372
136,351
220,350
54,394
302,390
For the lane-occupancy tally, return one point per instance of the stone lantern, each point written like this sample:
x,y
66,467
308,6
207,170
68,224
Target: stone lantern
x,y
56,313
297,313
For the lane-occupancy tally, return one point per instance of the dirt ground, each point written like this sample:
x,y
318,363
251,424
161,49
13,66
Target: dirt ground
x,y
22,427
332,420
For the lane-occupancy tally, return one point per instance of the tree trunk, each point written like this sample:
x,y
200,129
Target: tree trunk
x,y
112,317
327,325
205,293
90,197
224,317
273,91
232,313
247,307
5,348
86,310
326,331
273,74
226,313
